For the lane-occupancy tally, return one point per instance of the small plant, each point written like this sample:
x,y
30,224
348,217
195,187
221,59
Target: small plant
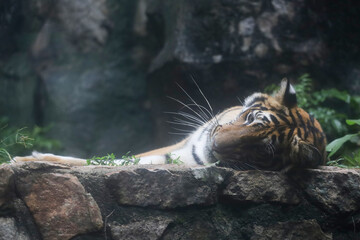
x,y
171,160
130,160
330,107
351,160
346,159
20,141
110,160
15,139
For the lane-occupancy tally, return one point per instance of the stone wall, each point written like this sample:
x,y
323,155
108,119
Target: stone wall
x,y
48,201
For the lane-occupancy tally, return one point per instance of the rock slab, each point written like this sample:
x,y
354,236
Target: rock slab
x,y
60,205
261,186
308,229
163,188
151,229
9,230
335,190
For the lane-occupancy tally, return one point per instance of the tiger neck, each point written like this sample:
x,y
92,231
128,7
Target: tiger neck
x,y
194,150
197,149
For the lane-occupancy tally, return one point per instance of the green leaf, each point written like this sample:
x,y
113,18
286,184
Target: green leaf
x,y
271,89
335,145
333,92
353,121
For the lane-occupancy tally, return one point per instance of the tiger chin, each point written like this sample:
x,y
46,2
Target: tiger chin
x,y
266,133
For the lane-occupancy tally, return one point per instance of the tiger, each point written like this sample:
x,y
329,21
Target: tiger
x,y
265,133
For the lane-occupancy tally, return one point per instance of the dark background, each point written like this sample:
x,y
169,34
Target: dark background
x,y
99,71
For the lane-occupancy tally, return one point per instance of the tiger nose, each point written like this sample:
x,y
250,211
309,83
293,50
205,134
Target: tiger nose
x,y
215,145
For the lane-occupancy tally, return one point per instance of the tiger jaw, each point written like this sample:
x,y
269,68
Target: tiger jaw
x,y
246,160
253,153
244,147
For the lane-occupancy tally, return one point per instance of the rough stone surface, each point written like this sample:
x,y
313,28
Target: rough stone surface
x,y
60,205
204,33
151,229
9,230
333,189
308,229
256,186
24,219
84,20
165,188
172,202
6,181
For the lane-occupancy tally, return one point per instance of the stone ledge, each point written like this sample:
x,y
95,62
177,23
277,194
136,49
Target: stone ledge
x,y
188,203
260,187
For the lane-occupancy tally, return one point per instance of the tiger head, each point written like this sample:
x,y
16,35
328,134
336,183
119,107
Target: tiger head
x,y
268,133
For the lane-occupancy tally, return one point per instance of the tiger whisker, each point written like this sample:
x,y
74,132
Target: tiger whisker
x,y
196,104
207,101
187,116
200,106
241,102
270,148
250,165
182,130
182,134
186,106
179,121
204,116
182,124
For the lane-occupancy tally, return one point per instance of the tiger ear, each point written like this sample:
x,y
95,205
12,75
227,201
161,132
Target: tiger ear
x,y
286,95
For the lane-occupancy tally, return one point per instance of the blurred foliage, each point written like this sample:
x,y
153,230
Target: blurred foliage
x,y
125,160
172,159
332,108
110,160
21,141
348,157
